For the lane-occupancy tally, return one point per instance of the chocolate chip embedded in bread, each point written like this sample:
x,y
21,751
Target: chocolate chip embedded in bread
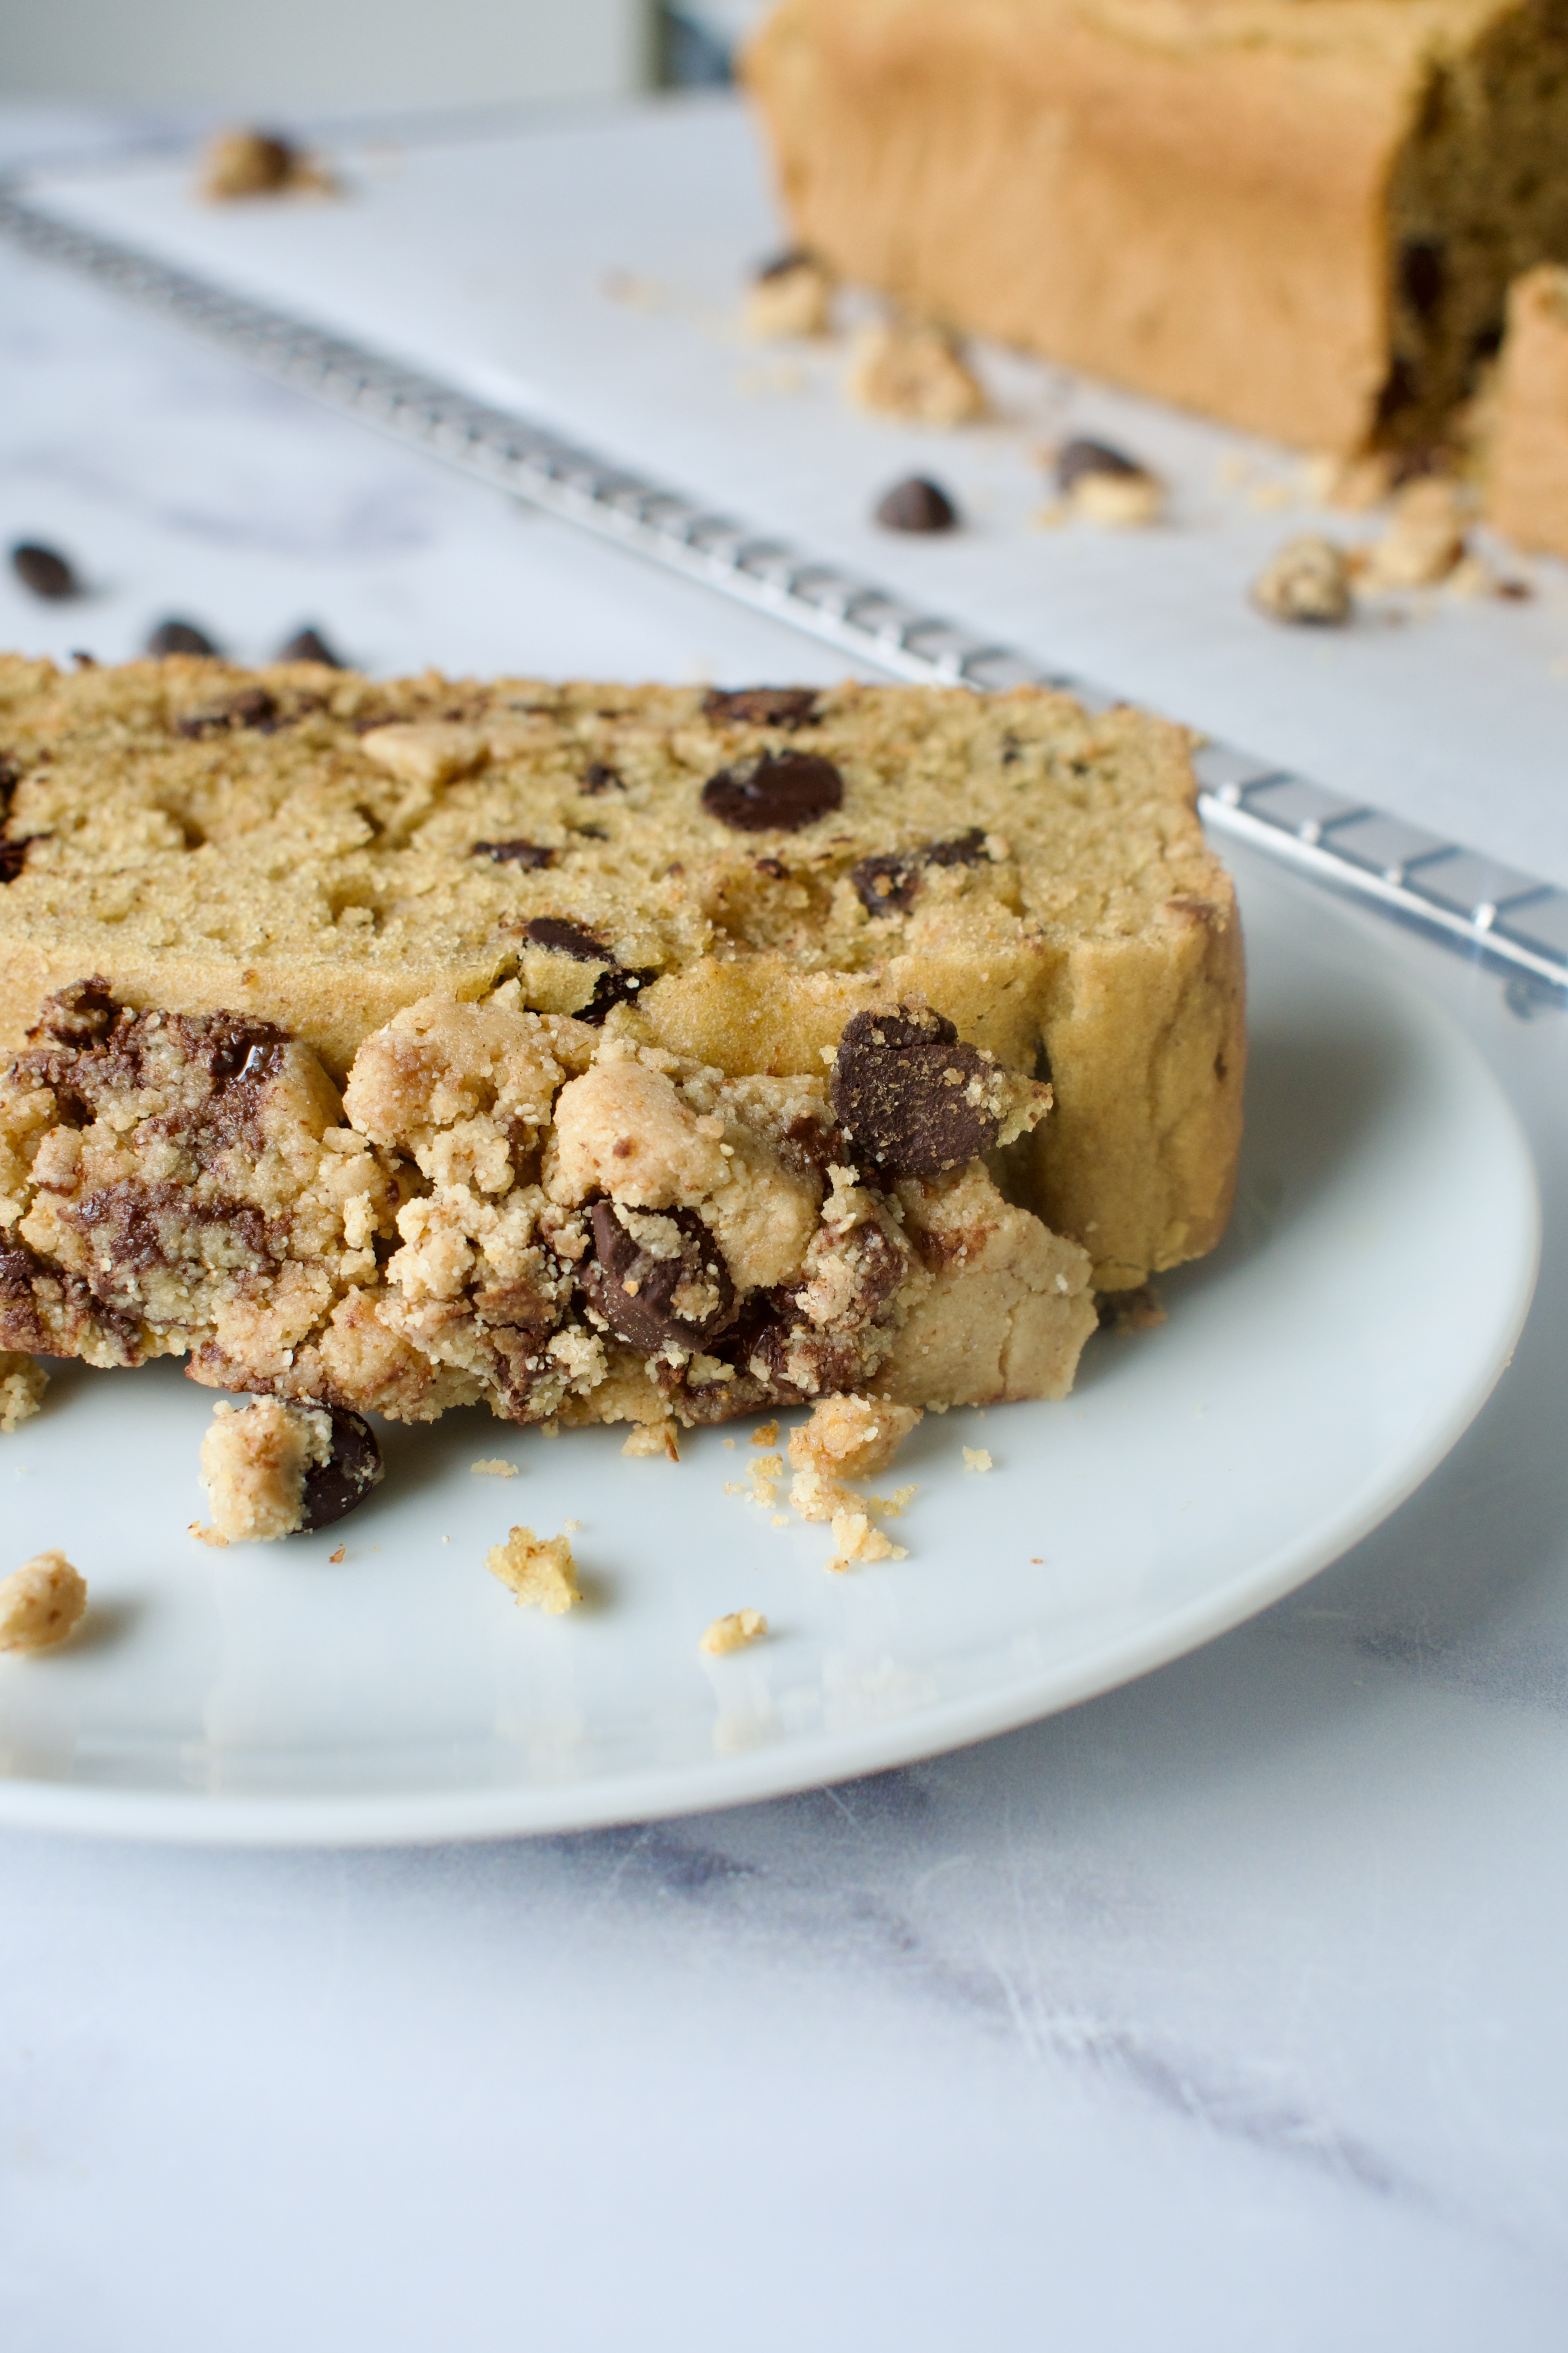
x,y
174,636
13,855
656,1276
354,1466
307,645
959,849
615,984
44,571
531,854
1423,274
910,1096
916,505
778,792
761,706
887,885
81,1014
1079,457
596,778
253,707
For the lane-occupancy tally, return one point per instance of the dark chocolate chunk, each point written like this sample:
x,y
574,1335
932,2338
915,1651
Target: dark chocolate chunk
x,y
761,706
81,1014
597,778
335,1487
615,985
10,777
241,1052
13,855
1400,391
533,854
910,1096
178,637
959,849
252,707
1423,274
307,645
776,792
1485,343
886,884
649,1297
782,263
44,572
1079,457
916,505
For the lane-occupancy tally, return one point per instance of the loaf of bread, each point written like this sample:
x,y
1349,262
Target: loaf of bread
x,y
1527,436
1301,216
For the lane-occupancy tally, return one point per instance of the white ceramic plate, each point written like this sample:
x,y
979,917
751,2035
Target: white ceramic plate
x,y
1312,1372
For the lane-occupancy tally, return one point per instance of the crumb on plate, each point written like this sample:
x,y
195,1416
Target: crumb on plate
x,y
41,1604
539,1570
734,1633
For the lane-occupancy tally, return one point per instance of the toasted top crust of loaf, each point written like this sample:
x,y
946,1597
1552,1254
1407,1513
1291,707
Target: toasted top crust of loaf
x,y
326,848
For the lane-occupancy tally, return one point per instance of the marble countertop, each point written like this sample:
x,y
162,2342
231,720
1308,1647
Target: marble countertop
x,y
1223,2012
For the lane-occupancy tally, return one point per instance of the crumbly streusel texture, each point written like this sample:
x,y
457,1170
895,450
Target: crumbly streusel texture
x,y
729,878
41,1604
22,1387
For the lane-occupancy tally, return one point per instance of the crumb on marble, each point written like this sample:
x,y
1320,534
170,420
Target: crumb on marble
x,y
976,1458
734,1633
338,1557
765,1434
41,1604
494,1466
539,1571
851,1437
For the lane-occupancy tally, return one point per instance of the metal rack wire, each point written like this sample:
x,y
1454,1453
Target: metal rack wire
x,y
1510,920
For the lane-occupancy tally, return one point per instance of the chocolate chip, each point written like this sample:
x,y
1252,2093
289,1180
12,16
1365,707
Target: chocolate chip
x,y
13,855
778,791
615,985
1423,274
959,849
178,637
1400,391
916,505
910,1096
309,645
335,1487
678,1289
774,868
253,707
81,1014
10,777
887,885
597,778
241,1052
1080,457
761,706
44,572
531,854
782,263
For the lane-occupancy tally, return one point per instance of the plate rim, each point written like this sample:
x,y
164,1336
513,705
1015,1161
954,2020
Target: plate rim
x,y
653,1793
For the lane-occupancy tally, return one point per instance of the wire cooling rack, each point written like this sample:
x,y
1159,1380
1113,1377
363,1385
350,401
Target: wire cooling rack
x,y
1509,920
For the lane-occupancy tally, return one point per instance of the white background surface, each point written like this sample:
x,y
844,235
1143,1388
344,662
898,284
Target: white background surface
x,y
1222,2013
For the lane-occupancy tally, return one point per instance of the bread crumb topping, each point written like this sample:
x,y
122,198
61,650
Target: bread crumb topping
x,y
41,1604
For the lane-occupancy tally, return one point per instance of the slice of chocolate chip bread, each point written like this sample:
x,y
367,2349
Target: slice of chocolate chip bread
x,y
732,879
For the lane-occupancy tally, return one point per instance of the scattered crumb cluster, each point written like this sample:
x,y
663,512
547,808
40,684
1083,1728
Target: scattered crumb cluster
x,y
539,1571
493,1466
734,1633
1424,543
41,1604
22,1387
245,163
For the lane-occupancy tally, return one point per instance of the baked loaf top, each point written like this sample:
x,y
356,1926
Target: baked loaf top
x,y
731,876
1300,215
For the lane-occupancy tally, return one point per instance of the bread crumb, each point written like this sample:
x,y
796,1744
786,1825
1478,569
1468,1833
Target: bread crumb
x,y
734,1633
255,1461
206,1536
793,298
914,375
893,1506
1122,502
571,1527
851,1437
1306,583
41,1604
653,1437
854,1539
765,1474
766,1435
22,1387
338,1556
539,1570
494,1466
976,1458
1425,540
